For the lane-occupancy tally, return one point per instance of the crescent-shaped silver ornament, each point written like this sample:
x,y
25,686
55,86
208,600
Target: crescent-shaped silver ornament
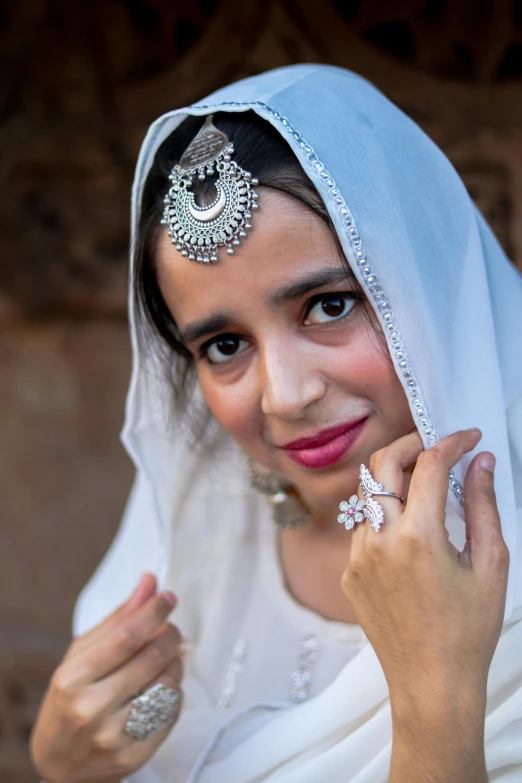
x,y
211,212
199,232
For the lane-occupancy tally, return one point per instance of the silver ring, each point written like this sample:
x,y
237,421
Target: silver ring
x,y
355,510
152,711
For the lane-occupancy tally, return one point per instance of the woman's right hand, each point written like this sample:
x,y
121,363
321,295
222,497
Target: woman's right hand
x,y
79,733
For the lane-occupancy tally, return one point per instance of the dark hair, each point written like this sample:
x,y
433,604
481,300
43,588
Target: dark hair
x,y
258,148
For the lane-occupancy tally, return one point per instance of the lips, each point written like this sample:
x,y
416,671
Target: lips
x,y
326,447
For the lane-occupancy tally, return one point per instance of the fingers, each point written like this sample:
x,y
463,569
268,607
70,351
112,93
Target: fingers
x,y
123,639
143,670
172,676
426,488
136,751
484,539
137,748
429,482
389,467
145,588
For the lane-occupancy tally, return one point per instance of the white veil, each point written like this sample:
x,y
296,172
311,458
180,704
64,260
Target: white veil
x,y
450,304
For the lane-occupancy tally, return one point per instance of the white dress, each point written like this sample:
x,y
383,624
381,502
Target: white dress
x,y
301,640
305,654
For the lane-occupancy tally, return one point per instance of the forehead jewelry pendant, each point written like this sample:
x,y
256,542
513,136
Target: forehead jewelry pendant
x,y
198,232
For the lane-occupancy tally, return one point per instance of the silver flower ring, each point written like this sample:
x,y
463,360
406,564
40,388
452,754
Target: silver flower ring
x,y
355,510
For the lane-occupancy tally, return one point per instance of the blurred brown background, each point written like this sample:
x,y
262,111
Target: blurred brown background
x,y
82,81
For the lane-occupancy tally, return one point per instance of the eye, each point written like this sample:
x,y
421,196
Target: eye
x,y
330,307
223,348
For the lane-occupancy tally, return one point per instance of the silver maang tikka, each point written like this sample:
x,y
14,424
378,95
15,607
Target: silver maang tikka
x,y
288,510
198,231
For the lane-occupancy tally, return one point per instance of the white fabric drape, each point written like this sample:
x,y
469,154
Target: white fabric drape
x,y
450,304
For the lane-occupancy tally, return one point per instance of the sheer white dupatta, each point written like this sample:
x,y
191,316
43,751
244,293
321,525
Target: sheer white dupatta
x,y
450,304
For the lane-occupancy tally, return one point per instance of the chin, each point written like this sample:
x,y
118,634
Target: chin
x,y
328,487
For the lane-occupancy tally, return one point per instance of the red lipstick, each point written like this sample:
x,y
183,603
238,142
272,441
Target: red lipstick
x,y
325,447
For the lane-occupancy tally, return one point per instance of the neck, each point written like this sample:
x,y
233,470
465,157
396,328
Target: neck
x,y
323,522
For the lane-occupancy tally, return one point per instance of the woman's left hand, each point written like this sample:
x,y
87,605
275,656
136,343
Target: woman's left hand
x,y
432,614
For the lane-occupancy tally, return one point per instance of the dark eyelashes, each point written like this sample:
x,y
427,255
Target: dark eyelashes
x,y
353,295
203,350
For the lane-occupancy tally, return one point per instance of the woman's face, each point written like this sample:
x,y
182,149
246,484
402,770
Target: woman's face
x,y
284,351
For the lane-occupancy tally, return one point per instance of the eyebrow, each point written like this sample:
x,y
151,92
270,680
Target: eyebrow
x,y
198,329
221,321
318,279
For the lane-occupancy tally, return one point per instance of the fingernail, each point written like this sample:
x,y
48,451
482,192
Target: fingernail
x,y
488,462
137,586
169,597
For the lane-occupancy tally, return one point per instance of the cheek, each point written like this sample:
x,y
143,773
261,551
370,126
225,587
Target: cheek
x,y
234,406
368,371
363,365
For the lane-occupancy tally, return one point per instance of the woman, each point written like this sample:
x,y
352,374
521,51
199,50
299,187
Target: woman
x,y
364,315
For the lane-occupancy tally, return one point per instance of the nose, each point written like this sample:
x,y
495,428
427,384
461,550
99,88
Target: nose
x,y
290,380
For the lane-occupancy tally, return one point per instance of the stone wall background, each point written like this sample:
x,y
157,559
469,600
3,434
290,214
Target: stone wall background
x,y
82,81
